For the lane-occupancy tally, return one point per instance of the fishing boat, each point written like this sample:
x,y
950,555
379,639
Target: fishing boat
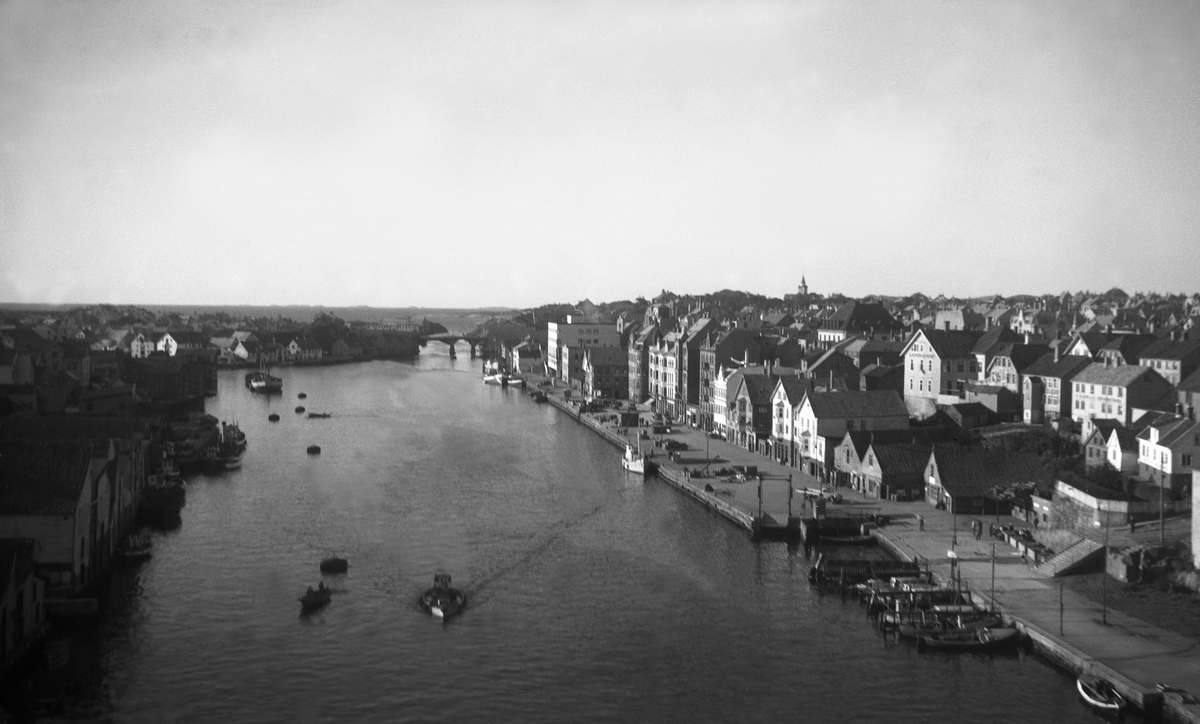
x,y
314,449
302,395
319,414
928,626
264,382
273,417
442,601
984,639
315,598
299,409
1099,693
635,461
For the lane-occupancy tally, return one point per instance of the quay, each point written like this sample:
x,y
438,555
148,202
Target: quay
x,y
1157,670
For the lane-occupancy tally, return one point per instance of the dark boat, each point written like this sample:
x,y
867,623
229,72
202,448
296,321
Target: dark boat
x,y
300,408
848,540
917,629
319,414
1099,693
984,639
442,601
315,598
314,449
273,417
135,549
302,395
334,565
264,382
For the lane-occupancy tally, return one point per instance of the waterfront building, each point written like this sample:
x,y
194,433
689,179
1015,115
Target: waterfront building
x,y
748,408
962,478
640,344
785,402
720,353
303,349
22,599
605,372
578,333
1122,393
527,358
824,418
55,495
663,374
687,355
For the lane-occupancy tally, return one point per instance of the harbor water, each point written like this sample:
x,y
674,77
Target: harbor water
x,y
592,596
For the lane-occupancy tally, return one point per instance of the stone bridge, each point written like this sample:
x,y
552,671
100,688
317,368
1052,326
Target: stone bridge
x,y
452,338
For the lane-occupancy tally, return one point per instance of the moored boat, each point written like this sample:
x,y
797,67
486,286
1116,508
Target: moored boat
x,y
264,382
635,461
917,629
273,417
135,549
984,639
1099,693
319,414
442,601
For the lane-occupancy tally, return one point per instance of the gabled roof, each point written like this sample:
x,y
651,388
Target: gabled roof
x,y
793,389
861,317
901,459
1022,355
992,339
1169,349
1124,437
1129,346
1123,376
947,344
872,403
1065,368
974,471
1171,429
759,388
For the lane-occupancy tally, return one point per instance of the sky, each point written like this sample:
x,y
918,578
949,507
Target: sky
x,y
502,153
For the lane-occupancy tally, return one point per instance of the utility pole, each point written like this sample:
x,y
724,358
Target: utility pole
x,y
993,576
1104,604
1162,527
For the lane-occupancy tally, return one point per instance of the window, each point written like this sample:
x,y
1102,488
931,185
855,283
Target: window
x,y
1185,460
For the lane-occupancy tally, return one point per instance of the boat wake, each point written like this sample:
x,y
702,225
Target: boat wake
x,y
554,534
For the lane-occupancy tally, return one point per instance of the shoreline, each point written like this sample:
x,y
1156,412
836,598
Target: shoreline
x,y
1131,653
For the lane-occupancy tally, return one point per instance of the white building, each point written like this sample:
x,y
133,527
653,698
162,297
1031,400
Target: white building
x,y
576,333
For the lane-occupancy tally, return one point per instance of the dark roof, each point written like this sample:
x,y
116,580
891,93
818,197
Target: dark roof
x,y
794,388
759,388
1122,376
1065,368
1129,346
861,317
1191,383
43,478
954,344
989,341
901,459
873,403
972,471
1023,355
1169,349
971,409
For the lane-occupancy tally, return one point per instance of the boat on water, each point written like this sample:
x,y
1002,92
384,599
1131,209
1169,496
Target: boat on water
x,y
442,601
925,627
302,395
983,639
498,378
848,540
334,565
264,382
273,417
319,414
135,549
299,409
314,449
1099,693
315,598
635,461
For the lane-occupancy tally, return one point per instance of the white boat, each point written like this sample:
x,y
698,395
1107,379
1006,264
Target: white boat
x,y
635,460
1099,693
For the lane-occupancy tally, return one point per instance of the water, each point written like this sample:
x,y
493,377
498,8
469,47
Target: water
x,y
592,596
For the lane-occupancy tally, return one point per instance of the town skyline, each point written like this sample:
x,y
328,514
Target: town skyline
x,y
368,153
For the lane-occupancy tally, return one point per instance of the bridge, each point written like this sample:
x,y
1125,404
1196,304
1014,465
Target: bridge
x,y
452,338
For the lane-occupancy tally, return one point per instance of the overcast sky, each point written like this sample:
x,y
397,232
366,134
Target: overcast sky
x,y
461,154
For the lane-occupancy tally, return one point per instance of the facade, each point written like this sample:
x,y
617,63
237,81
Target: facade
x,y
639,362
1046,389
22,598
937,366
786,399
720,354
1104,391
963,479
824,418
605,372
1169,450
748,411
577,333
1173,360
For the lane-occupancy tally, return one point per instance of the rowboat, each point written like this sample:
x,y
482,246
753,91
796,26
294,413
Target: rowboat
x,y
1099,693
917,630
984,639
315,598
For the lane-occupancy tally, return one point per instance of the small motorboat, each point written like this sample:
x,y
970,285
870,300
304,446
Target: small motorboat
x,y
302,395
319,415
1099,693
984,639
314,449
334,565
315,598
299,408
442,601
916,630
273,417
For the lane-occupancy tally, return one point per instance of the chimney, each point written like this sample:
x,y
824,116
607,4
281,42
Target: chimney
x,y
1179,409
1057,352
1027,338
1191,412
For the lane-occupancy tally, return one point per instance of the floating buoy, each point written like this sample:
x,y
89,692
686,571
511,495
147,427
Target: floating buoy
x,y
300,408
273,417
314,449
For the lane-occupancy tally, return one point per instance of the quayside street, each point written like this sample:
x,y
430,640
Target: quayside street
x,y
1063,625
